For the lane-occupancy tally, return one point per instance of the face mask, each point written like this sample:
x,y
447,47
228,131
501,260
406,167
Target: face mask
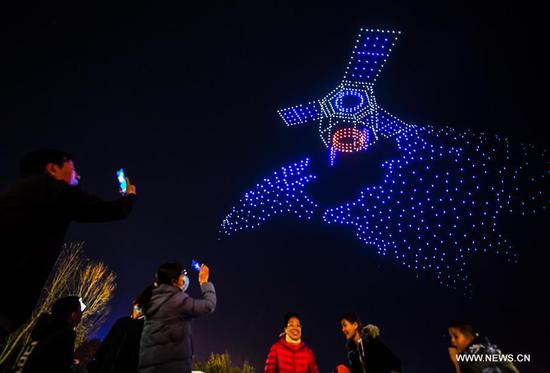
x,y
185,283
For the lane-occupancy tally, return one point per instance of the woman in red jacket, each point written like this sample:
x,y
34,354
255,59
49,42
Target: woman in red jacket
x,y
289,354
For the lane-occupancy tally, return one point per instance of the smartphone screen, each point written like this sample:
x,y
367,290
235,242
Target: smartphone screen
x,y
121,180
195,265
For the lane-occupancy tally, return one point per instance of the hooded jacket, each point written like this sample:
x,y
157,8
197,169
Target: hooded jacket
x,y
284,357
166,342
371,356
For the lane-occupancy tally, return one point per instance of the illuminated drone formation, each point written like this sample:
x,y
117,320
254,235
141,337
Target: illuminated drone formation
x,y
441,198
349,118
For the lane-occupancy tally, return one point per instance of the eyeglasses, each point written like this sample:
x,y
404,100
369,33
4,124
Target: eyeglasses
x,y
293,326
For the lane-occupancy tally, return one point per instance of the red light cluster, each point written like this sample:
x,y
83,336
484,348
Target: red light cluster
x,y
349,140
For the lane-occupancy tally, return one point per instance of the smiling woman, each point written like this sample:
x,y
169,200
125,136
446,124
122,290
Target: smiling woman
x,y
289,353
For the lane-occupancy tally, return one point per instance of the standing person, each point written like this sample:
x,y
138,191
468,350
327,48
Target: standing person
x,y
34,216
366,352
166,345
465,341
119,351
52,340
290,354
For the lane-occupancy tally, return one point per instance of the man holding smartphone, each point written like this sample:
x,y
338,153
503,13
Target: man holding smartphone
x,y
34,216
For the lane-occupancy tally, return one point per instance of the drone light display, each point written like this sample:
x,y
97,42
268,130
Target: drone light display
x,y
442,199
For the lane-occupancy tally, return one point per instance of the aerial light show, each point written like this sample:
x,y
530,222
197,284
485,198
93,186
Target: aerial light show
x,y
440,200
241,186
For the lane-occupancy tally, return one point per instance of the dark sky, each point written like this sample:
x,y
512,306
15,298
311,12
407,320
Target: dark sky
x,y
184,97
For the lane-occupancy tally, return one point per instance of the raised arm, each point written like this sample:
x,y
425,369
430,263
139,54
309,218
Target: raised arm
x,y
205,305
202,306
83,207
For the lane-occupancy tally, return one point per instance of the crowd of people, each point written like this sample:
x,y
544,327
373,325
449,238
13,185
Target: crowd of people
x,y
34,216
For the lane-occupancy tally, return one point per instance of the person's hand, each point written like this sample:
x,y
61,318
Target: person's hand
x,y
341,368
203,274
130,188
452,356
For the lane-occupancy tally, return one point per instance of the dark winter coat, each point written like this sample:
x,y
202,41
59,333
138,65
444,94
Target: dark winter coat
x,y
119,351
482,346
374,357
284,357
51,348
34,216
166,344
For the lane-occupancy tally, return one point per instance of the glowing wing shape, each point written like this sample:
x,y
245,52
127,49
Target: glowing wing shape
x,y
281,193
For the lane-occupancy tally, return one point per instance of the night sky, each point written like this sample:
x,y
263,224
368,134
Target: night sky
x,y
184,97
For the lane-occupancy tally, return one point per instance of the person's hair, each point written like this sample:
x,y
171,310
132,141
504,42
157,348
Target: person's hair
x,y
290,315
34,163
351,317
166,274
63,307
465,328
142,299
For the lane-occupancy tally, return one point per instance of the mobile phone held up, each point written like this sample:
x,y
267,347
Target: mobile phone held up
x,y
121,180
196,265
